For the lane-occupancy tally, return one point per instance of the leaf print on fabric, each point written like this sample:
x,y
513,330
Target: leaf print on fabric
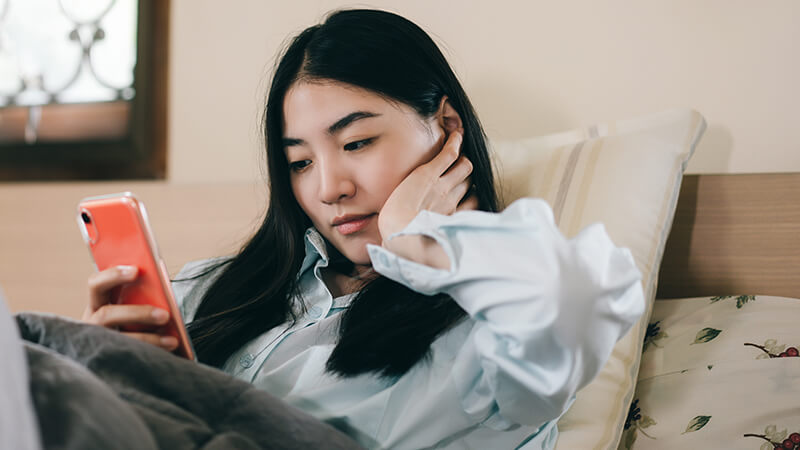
x,y
634,423
777,439
646,421
771,349
628,438
705,335
740,299
697,423
652,335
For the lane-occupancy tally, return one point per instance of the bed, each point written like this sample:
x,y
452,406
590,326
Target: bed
x,y
720,252
719,364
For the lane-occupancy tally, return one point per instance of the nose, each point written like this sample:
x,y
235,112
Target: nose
x,y
335,182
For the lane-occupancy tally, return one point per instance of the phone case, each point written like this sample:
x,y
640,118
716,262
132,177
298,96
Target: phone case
x,y
117,231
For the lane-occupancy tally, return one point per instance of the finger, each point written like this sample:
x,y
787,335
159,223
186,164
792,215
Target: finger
x,y
448,155
166,342
101,284
469,204
458,172
457,194
117,315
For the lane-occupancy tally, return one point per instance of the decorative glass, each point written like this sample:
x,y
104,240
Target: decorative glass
x,y
66,51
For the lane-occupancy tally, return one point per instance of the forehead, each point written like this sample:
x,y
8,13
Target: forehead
x,y
311,107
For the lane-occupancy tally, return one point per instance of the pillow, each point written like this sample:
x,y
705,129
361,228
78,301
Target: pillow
x,y
718,372
625,174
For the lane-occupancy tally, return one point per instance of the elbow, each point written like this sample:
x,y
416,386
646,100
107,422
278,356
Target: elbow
x,y
534,397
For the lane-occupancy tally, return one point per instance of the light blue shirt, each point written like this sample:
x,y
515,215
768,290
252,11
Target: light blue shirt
x,y
544,314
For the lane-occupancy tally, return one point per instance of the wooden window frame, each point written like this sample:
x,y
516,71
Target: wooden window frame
x,y
142,153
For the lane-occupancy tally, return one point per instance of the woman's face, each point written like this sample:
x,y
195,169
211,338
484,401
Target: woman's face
x,y
347,149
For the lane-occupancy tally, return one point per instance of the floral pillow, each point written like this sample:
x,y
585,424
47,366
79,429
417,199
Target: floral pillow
x,y
718,372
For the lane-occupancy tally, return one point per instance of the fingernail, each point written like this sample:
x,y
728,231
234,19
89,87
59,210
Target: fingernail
x,y
127,270
160,315
168,342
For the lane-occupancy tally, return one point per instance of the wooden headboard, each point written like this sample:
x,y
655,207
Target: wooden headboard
x,y
734,234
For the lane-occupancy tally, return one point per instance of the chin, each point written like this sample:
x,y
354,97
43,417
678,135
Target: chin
x,y
355,248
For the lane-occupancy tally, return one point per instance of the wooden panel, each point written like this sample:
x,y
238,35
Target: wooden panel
x,y
734,234
105,121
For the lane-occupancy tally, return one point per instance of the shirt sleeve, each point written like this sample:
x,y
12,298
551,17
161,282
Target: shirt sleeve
x,y
191,283
548,310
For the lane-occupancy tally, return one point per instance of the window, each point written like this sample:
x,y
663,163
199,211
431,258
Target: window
x,y
83,89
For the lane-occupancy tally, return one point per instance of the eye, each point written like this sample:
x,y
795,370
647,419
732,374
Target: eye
x,y
299,166
356,145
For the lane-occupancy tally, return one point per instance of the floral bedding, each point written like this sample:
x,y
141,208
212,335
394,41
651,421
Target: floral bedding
x,y
718,372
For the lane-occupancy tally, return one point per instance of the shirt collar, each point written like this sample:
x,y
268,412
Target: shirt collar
x,y
315,249
317,256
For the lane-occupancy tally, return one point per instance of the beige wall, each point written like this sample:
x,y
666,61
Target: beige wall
x,y
530,67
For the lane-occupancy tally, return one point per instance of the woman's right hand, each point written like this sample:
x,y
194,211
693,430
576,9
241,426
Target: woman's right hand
x,y
103,311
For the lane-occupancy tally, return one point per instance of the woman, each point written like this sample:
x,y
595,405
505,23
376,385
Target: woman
x,y
384,293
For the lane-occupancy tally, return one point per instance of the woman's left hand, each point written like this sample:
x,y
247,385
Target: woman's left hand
x,y
439,186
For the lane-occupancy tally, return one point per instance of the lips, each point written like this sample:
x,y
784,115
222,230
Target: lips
x,y
350,224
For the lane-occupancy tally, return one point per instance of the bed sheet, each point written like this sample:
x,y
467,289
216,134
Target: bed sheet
x,y
718,372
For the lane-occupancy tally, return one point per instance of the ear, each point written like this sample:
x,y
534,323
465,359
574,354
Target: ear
x,y
448,117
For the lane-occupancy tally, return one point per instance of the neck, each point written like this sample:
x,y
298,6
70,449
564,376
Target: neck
x,y
361,272
342,284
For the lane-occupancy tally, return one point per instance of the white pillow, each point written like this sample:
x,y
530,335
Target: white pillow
x,y
627,175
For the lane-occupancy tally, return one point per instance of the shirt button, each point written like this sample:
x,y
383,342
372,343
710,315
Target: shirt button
x,y
315,312
246,361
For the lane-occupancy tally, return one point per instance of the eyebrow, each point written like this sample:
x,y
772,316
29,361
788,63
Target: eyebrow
x,y
337,126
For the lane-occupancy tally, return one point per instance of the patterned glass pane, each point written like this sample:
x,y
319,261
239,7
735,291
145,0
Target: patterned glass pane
x,y
66,51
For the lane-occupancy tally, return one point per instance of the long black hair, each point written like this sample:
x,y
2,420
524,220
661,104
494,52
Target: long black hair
x,y
387,328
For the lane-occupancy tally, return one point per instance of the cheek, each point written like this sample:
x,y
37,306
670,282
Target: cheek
x,y
379,180
424,144
419,149
389,183
401,159
302,192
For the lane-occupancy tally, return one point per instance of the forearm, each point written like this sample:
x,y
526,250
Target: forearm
x,y
420,249
549,309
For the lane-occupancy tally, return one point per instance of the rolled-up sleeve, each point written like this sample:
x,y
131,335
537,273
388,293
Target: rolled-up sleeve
x,y
548,310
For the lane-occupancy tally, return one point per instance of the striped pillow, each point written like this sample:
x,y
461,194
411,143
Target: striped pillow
x,y
625,174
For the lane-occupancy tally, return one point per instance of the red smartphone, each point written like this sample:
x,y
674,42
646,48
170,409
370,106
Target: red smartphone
x,y
117,231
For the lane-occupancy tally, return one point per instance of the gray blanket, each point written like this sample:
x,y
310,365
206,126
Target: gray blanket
x,y
95,388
